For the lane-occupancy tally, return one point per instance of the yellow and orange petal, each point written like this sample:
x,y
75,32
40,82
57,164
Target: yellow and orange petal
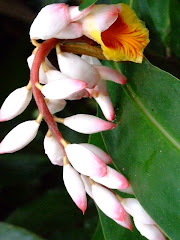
x,y
125,39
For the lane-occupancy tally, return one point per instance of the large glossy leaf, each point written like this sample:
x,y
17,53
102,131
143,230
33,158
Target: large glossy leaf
x,y
145,145
86,3
10,232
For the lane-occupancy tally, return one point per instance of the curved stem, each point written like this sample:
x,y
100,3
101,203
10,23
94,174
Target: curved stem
x,y
41,53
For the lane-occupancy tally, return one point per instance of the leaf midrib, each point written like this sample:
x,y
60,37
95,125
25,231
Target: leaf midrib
x,y
138,103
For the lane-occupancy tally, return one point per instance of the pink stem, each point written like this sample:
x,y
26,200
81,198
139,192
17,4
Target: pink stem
x,y
42,52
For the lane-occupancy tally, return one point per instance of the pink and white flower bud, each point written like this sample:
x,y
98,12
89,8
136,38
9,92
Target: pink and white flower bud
x,y
62,89
107,73
102,17
126,223
98,152
87,185
72,31
85,161
53,150
149,231
81,94
108,203
87,124
134,208
91,60
19,137
55,106
75,14
50,21
42,74
100,94
127,190
80,70
15,103
112,179
75,186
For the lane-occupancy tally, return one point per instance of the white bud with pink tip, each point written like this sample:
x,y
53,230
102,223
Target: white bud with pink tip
x,y
107,202
87,124
74,66
15,103
87,185
98,152
149,231
62,89
134,208
107,73
53,150
126,223
55,106
50,21
19,137
85,161
54,75
75,186
91,60
112,179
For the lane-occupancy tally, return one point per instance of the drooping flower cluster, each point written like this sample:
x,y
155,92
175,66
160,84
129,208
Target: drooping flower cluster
x,y
122,37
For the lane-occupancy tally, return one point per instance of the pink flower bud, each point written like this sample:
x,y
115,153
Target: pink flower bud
x,y
107,73
98,152
50,21
75,186
62,89
112,179
19,137
108,203
75,14
149,231
87,124
53,150
85,161
126,223
91,60
134,208
15,103
56,105
72,31
80,70
87,185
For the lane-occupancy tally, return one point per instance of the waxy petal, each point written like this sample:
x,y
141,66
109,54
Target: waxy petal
x,y
62,89
75,14
126,223
134,208
85,161
55,106
75,186
15,103
108,203
53,150
98,152
91,60
19,137
149,231
112,179
72,31
87,124
54,75
82,70
127,190
87,185
50,21
81,94
107,73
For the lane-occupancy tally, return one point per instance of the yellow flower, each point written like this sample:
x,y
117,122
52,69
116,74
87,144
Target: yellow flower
x,y
118,30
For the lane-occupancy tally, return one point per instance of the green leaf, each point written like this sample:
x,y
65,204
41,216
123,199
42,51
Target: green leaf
x,y
145,145
54,215
86,4
10,232
98,235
